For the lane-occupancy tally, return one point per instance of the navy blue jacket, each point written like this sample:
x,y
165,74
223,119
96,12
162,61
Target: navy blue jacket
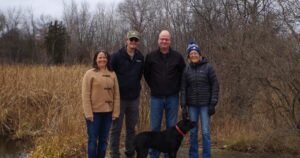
x,y
129,72
163,72
199,85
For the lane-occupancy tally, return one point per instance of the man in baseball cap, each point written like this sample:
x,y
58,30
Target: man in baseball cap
x,y
128,64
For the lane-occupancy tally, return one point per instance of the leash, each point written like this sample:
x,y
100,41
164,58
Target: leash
x,y
179,131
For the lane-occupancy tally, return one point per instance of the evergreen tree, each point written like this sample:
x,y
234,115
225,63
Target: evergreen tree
x,y
56,41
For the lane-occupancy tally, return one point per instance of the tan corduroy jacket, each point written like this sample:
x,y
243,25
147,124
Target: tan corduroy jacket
x,y
100,93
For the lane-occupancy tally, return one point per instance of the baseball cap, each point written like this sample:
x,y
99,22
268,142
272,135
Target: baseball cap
x,y
133,34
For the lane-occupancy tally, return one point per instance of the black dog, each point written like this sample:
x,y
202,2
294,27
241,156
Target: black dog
x,y
167,141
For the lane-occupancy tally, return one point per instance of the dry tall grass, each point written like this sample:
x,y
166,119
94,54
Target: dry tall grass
x,y
44,103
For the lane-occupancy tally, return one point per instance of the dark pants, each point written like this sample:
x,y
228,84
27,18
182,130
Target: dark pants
x,y
98,132
129,109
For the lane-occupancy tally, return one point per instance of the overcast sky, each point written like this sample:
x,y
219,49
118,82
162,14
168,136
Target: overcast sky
x,y
49,7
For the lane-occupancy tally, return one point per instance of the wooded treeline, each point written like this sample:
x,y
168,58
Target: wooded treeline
x,y
253,44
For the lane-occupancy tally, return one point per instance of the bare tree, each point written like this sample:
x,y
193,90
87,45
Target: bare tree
x,y
290,16
137,12
2,22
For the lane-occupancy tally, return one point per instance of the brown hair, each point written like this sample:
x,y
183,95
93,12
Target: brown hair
x,y
95,60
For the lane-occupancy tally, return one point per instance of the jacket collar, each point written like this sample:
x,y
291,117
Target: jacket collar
x,y
125,54
203,61
165,55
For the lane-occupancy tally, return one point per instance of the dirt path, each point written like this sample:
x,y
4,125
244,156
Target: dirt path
x,y
218,153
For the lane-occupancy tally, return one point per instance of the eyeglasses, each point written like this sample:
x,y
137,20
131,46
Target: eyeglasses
x,y
133,39
164,39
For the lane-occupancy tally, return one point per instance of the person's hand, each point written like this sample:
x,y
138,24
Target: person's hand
x,y
211,110
90,119
114,118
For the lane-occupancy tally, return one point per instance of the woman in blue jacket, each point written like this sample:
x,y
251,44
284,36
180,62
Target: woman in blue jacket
x,y
199,94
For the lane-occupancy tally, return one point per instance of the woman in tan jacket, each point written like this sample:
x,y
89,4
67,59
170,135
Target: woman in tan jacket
x,y
101,103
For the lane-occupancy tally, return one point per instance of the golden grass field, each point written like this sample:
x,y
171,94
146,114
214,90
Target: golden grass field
x,y
43,105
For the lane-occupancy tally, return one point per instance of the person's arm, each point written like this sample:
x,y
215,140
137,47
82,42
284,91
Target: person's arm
x,y
143,66
116,103
214,85
147,69
181,66
113,61
183,95
183,89
214,89
182,63
86,96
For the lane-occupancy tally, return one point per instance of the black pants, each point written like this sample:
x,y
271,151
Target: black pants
x,y
129,109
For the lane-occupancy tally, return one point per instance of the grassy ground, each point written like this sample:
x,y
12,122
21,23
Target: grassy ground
x,y
43,103
219,153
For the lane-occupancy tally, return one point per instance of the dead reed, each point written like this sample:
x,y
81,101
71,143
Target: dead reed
x,y
44,103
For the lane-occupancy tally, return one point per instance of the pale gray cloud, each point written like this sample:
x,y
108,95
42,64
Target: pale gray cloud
x,y
49,7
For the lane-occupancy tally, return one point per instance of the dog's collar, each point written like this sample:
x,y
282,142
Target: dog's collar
x,y
179,131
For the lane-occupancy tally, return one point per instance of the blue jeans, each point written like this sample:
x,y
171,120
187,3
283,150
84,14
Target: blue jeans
x,y
98,132
169,104
195,112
